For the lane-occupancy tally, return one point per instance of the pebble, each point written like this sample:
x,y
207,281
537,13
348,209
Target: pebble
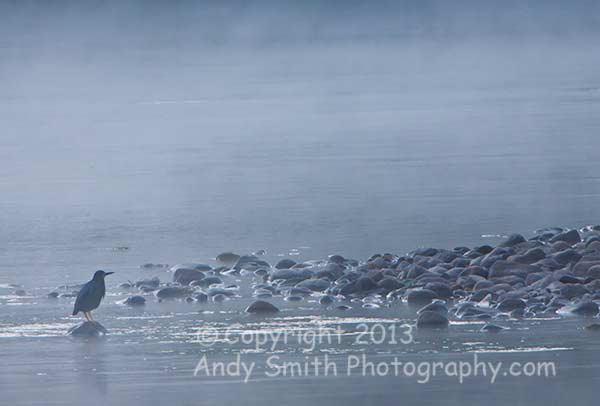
x,y
326,300
173,292
219,297
491,328
285,264
508,305
420,297
437,306
261,307
432,319
87,329
200,297
135,301
185,276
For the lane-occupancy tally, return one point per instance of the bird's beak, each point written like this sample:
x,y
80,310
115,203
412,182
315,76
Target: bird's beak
x,y
108,273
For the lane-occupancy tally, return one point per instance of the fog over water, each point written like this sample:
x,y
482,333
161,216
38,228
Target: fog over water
x,y
184,131
144,132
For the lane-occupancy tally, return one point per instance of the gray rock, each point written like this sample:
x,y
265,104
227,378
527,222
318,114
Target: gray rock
x,y
262,294
479,295
470,312
566,279
483,249
414,271
219,297
337,259
135,301
442,290
210,280
285,264
513,240
196,266
390,283
594,272
571,237
446,256
228,258
200,297
437,306
365,284
293,298
483,284
461,262
573,291
502,268
87,329
261,307
371,306
508,305
425,252
361,285
250,261
185,276
326,300
219,291
529,257
331,271
582,267
420,297
196,283
491,328
173,292
315,285
566,256
298,291
261,272
153,266
431,319
296,274
583,308
152,283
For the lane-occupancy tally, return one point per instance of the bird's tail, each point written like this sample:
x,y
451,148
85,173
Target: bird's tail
x,y
75,312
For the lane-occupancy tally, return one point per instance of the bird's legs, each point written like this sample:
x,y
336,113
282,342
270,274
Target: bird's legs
x,y
88,316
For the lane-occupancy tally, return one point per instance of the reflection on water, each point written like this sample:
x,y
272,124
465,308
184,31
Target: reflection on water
x,y
90,359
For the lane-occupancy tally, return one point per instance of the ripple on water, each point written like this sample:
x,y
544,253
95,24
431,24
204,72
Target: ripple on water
x,y
35,330
168,316
500,350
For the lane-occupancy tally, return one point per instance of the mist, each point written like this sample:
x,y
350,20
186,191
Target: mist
x,y
189,129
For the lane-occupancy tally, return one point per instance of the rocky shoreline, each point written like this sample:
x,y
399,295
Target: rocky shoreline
x,y
556,271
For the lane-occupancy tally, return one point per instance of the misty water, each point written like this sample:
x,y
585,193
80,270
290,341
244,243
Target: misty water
x,y
116,156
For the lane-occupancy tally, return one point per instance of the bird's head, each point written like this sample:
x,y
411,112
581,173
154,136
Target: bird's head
x,y
99,275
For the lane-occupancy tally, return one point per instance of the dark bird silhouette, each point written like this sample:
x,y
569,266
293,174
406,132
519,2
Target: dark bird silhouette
x,y
90,295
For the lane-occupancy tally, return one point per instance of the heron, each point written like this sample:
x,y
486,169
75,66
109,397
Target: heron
x,y
90,295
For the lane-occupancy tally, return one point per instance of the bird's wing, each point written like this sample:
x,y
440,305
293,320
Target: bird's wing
x,y
85,291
